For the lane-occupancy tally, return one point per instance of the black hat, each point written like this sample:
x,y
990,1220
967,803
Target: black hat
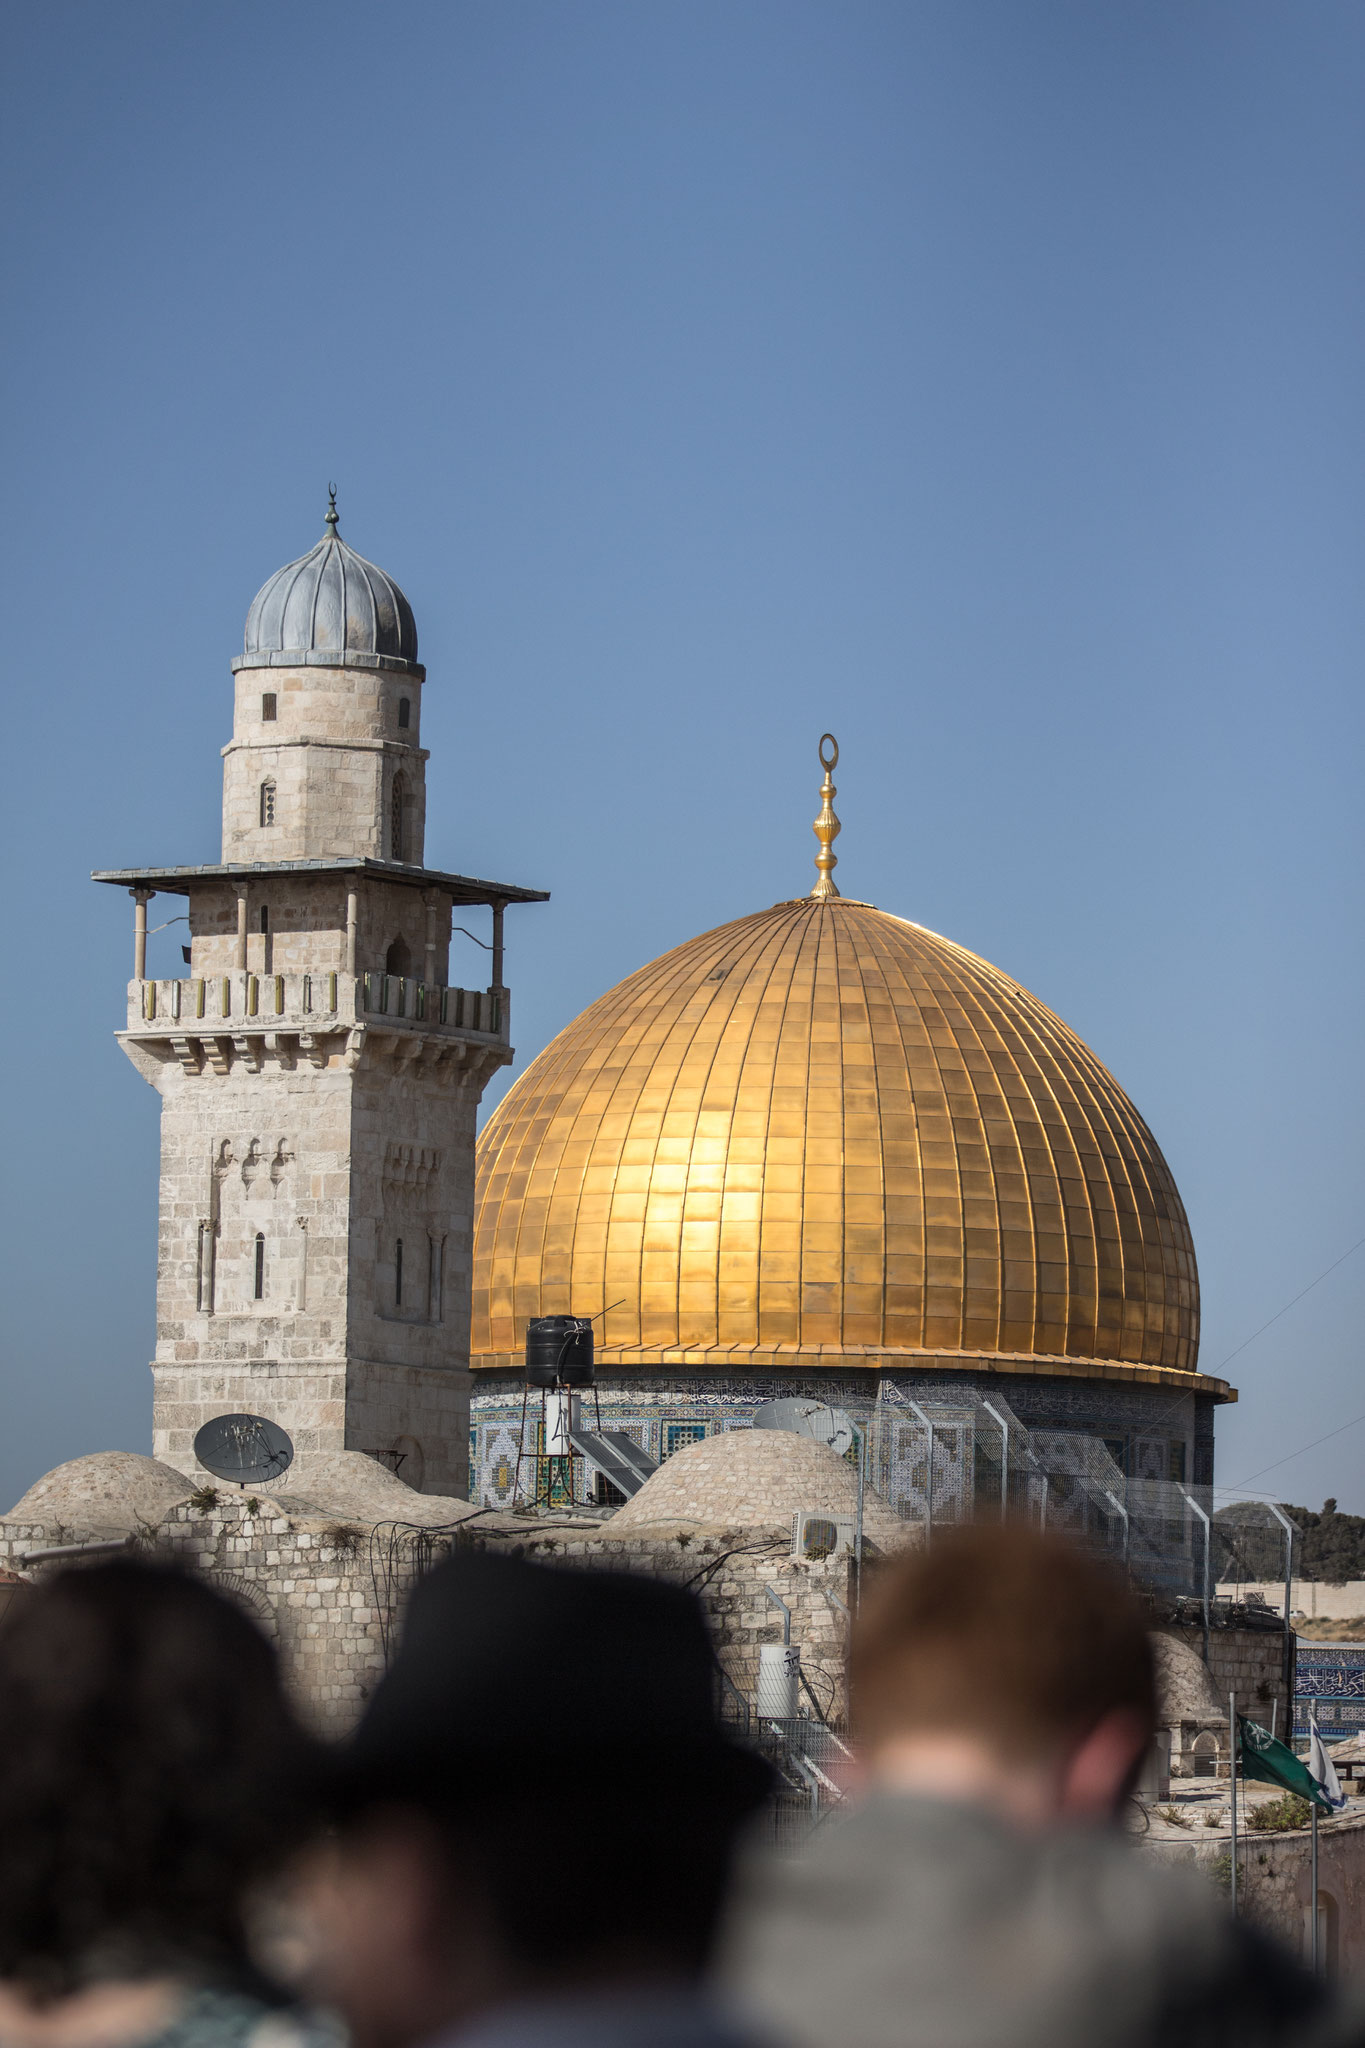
x,y
510,1666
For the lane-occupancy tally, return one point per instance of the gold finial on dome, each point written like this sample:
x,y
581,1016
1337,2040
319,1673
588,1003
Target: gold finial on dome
x,y
826,826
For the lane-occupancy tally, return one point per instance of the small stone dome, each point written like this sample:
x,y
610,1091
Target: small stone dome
x,y
756,1478
330,609
354,1487
109,1493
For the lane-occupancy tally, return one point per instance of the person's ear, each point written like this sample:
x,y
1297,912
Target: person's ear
x,y
1101,1769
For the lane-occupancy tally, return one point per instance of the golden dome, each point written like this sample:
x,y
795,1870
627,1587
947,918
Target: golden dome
x,y
824,1137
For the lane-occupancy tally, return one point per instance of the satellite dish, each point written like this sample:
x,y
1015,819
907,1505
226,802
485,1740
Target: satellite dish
x,y
829,1426
243,1448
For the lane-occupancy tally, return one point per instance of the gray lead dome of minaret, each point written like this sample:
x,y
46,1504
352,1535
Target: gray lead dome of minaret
x,y
330,609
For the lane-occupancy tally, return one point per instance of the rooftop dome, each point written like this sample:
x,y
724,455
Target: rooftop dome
x,y
824,1137
756,1479
330,609
358,1488
108,1492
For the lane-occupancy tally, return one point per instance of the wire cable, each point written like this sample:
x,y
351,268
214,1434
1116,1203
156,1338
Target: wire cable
x,y
1290,1304
1289,1456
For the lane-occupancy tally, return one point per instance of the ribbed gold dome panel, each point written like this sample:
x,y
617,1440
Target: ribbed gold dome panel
x,y
821,1136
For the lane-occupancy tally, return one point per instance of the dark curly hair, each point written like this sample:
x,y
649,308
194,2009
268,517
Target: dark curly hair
x,y
150,1770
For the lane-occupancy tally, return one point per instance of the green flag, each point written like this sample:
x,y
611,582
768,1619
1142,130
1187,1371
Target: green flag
x,y
1264,1758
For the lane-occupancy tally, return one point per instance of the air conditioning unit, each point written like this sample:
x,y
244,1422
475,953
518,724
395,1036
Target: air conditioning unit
x,y
815,1535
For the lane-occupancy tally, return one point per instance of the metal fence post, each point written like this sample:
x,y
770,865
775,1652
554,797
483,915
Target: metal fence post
x,y
1004,1459
1289,1533
1232,1786
920,1416
1208,1544
861,1434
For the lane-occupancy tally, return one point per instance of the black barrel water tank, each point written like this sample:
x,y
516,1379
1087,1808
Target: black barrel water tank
x,y
559,1351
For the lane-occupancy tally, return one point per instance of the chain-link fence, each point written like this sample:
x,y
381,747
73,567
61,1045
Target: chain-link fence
x,y
939,1462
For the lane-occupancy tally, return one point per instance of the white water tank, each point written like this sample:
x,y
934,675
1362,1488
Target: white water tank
x,y
561,1415
779,1681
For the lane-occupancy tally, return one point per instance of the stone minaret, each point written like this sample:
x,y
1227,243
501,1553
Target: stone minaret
x,y
318,1077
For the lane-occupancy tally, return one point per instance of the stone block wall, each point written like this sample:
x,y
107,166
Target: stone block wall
x,y
1249,1662
313,1585
306,916
330,1593
332,751
318,1173
731,1576
1273,1885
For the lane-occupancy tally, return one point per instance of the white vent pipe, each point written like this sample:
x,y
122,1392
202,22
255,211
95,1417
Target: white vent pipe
x,y
779,1681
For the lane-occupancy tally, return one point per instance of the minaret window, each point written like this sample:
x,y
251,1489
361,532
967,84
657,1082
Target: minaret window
x,y
268,707
404,712
396,818
398,1275
260,1267
267,803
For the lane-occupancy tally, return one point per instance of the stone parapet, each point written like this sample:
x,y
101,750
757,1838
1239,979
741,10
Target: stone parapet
x,y
247,1021
329,1000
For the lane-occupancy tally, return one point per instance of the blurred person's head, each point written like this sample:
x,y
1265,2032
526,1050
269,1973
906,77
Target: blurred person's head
x,y
150,1773
539,1800
1004,1664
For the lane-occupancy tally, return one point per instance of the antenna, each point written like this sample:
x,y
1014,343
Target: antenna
x,y
246,1449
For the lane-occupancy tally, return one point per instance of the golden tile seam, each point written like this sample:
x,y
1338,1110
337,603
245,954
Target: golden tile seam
x,y
760,952
881,1135
794,946
1053,1031
898,1011
988,990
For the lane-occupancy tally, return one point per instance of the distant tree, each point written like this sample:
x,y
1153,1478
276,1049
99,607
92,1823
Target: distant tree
x,y
1248,1544
1332,1547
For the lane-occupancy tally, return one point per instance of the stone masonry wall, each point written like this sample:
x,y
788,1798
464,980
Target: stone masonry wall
x,y
311,1585
1273,1885
1249,1662
731,1572
330,1593
332,751
321,1174
306,916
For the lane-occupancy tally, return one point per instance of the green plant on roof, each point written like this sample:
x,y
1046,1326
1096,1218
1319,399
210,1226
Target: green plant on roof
x,y
1278,1816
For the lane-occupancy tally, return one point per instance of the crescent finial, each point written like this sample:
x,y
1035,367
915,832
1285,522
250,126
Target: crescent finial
x,y
826,827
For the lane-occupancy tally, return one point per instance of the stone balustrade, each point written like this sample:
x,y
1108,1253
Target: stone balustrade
x,y
327,1001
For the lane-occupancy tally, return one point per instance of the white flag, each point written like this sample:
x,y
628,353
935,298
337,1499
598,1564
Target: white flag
x,y
1321,1767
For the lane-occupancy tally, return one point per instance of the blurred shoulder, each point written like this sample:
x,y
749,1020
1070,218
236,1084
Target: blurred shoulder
x,y
239,2019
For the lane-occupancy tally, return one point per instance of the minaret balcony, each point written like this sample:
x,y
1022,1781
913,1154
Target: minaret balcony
x,y
215,1022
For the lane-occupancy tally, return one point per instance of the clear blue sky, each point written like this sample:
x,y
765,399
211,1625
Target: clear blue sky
x,y
980,379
